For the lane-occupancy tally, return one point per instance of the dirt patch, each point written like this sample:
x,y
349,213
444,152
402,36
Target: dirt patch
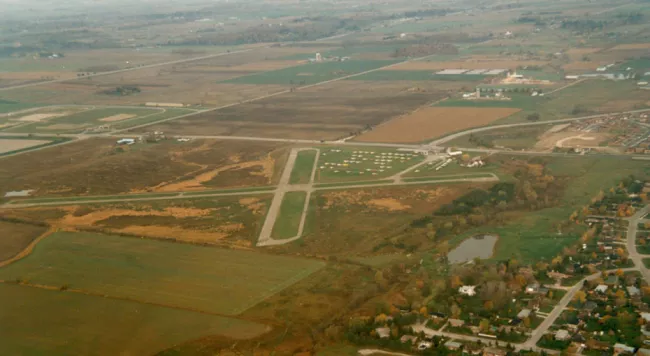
x,y
41,117
432,122
118,117
8,145
389,204
178,233
252,204
95,216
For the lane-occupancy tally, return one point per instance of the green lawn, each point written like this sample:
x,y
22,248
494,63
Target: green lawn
x,y
646,262
46,322
311,73
164,273
286,225
80,121
301,173
353,164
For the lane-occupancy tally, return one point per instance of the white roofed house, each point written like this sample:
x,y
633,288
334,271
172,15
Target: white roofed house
x,y
467,290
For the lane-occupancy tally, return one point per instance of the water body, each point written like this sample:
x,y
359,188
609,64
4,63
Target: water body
x,y
480,246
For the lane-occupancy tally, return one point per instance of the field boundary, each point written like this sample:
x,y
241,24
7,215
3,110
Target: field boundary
x,y
28,249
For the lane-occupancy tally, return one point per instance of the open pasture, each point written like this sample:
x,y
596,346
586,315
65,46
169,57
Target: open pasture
x,y
350,164
303,168
98,166
54,322
431,122
169,274
288,222
329,111
16,236
230,221
371,221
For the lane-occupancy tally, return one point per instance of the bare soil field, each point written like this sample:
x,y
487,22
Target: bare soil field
x,y
468,64
431,122
324,112
97,166
8,145
15,237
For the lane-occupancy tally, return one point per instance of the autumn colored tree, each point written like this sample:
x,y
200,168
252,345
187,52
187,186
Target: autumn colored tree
x,y
488,305
484,325
580,297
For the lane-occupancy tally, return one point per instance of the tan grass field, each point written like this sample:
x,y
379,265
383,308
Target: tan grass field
x,y
41,117
432,122
8,145
36,75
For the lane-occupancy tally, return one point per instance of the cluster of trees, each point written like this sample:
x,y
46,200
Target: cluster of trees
x,y
584,25
123,90
498,195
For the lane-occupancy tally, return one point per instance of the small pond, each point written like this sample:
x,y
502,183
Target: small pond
x,y
480,246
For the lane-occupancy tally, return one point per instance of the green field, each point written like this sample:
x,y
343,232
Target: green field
x,y
170,274
516,138
301,173
340,164
646,262
417,75
7,106
80,121
46,322
286,225
534,235
311,73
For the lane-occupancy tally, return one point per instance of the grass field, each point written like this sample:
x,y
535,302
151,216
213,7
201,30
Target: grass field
x,y
7,106
61,323
514,137
310,73
286,226
303,167
350,164
534,236
417,75
179,275
80,121
15,237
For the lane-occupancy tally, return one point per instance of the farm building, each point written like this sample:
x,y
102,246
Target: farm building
x,y
125,141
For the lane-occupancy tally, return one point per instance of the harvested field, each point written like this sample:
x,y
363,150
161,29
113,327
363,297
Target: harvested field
x,y
40,117
431,122
176,275
15,237
98,167
9,145
45,321
325,112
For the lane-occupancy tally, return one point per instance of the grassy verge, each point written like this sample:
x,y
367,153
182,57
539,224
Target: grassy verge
x,y
344,184
287,223
301,173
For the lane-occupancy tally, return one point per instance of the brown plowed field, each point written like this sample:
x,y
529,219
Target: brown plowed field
x,y
432,122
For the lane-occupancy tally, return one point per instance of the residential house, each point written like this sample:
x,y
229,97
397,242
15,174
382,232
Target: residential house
x,y
467,290
590,306
601,288
623,349
456,323
562,335
532,288
633,291
383,333
612,280
524,313
424,345
453,345
645,316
